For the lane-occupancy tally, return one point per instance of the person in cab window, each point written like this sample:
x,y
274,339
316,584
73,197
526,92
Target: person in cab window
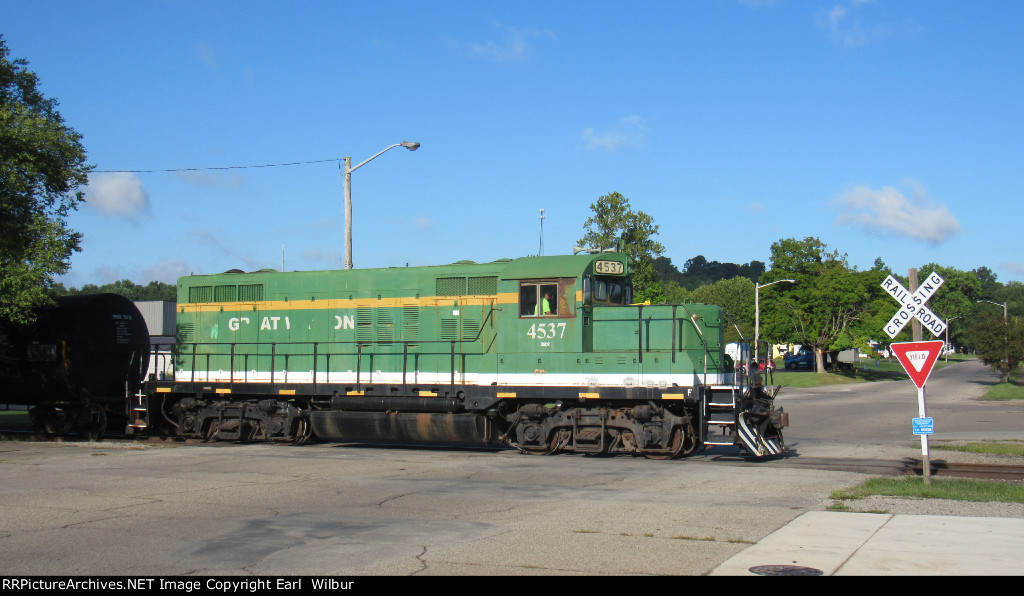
x,y
544,306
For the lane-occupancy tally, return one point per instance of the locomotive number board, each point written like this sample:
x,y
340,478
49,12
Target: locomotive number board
x,y
609,267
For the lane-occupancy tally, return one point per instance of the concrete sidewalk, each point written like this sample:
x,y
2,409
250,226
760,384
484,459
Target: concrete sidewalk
x,y
838,543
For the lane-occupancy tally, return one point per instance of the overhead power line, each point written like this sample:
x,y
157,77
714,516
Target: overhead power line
x,y
269,165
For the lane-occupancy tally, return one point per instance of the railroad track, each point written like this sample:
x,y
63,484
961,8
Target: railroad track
x,y
905,467
29,436
941,468
880,467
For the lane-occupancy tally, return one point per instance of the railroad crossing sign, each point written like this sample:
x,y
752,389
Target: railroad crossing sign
x,y
918,358
912,305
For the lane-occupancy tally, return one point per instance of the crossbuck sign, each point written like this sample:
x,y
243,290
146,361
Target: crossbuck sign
x,y
912,305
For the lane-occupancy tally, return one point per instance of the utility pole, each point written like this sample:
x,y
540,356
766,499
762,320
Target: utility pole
x,y
541,251
349,168
915,324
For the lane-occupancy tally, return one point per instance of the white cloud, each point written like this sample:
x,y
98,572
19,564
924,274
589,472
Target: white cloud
x,y
846,28
890,212
167,271
106,275
631,132
207,56
119,194
326,223
238,259
1014,267
514,45
331,257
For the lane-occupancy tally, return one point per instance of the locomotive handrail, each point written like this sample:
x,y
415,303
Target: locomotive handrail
x,y
235,350
673,351
640,332
703,340
159,355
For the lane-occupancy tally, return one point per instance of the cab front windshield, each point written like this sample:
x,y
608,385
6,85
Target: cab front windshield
x,y
610,290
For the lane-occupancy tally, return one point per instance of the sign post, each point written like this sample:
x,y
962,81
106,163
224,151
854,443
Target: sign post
x,y
918,359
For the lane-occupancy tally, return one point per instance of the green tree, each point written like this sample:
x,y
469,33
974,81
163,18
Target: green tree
x,y
155,290
42,164
667,272
675,293
956,299
698,271
989,287
1012,294
615,224
829,306
736,297
999,342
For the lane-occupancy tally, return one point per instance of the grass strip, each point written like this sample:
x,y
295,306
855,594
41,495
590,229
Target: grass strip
x,y
956,489
996,447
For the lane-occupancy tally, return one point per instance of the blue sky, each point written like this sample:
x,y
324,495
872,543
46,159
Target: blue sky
x,y
890,129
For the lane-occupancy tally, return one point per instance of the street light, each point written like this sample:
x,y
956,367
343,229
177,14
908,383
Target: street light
x,y
411,146
1006,312
757,316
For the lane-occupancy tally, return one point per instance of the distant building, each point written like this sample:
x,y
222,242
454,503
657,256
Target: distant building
x,y
162,319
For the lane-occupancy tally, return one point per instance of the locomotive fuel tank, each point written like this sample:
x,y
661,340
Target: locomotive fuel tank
x,y
78,362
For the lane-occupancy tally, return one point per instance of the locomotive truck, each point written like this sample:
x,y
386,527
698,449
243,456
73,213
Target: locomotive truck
x,y
543,354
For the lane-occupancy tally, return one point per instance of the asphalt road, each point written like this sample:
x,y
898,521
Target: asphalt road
x,y
117,509
875,419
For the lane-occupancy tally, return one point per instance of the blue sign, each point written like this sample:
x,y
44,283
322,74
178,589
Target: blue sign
x,y
924,426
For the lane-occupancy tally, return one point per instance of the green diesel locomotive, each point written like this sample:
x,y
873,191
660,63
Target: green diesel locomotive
x,y
544,354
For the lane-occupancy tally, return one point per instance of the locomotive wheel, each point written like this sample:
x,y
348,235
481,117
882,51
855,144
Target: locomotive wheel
x,y
210,434
690,446
691,443
548,449
252,431
675,447
303,430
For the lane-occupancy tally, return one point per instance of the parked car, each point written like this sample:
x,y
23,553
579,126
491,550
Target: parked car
x,y
802,359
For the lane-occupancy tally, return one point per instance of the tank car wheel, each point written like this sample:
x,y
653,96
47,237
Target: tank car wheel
x,y
45,421
91,424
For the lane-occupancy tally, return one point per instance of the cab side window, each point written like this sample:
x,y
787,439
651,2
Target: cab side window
x,y
538,299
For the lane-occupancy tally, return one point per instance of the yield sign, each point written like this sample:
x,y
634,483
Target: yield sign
x,y
918,358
